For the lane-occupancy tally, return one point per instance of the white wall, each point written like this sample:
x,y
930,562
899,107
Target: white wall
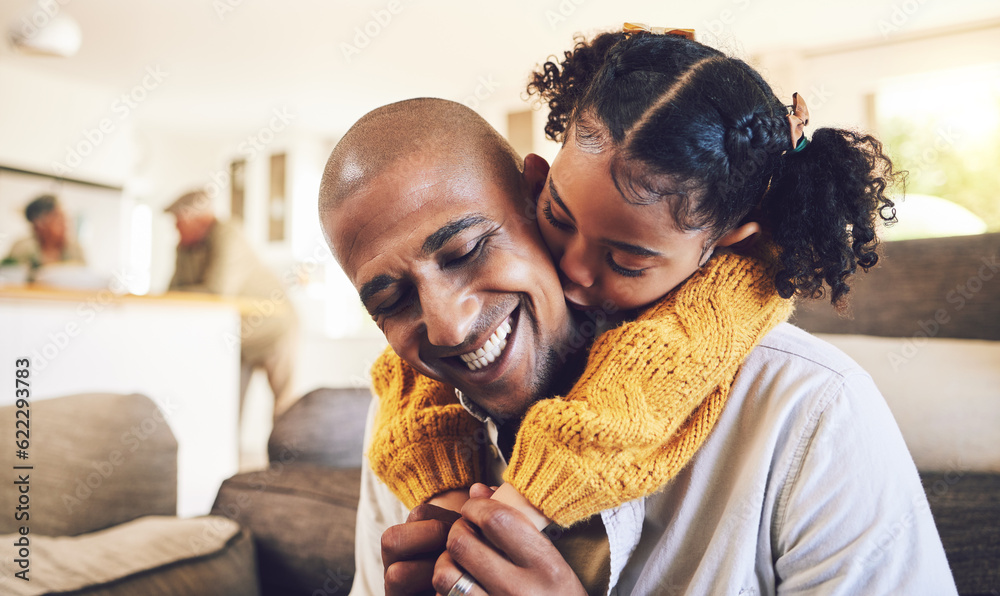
x,y
836,82
45,119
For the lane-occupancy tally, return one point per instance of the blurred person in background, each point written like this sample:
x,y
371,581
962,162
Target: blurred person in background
x,y
214,257
49,242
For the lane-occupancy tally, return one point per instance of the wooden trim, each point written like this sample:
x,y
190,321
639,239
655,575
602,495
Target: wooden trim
x,y
60,178
904,37
38,293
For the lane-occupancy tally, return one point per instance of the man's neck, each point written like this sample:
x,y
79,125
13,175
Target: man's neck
x,y
566,366
567,370
506,437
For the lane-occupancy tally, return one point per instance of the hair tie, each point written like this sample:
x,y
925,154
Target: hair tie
x,y
798,118
630,28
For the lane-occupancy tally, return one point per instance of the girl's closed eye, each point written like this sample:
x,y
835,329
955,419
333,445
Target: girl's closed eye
x,y
551,218
620,270
606,248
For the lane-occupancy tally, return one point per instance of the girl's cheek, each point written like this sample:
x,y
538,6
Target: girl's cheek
x,y
618,294
552,241
625,294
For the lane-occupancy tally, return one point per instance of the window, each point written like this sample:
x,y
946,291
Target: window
x,y
944,129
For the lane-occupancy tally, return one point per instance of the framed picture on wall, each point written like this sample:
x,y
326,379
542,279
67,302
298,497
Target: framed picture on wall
x,y
237,185
276,204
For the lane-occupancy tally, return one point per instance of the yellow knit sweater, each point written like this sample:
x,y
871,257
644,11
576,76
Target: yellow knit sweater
x,y
651,392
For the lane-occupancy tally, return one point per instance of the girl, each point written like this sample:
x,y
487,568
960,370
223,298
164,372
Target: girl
x,y
687,198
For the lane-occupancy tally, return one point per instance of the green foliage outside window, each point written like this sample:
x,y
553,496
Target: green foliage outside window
x,y
943,162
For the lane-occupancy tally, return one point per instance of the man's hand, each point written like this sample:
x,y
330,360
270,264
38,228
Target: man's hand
x,y
501,549
409,550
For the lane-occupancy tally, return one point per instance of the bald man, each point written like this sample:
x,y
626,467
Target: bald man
x,y
429,225
479,262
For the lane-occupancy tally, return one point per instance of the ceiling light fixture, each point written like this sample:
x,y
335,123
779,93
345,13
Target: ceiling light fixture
x,y
47,32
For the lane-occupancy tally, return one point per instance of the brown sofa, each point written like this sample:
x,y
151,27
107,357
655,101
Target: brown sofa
x,y
101,505
301,509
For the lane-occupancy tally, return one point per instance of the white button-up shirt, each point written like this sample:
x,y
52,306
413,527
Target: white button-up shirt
x,y
804,487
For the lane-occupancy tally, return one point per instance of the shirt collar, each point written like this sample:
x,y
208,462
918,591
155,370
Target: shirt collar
x,y
470,407
623,523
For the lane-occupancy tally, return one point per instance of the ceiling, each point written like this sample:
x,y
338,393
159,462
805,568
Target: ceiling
x,y
230,61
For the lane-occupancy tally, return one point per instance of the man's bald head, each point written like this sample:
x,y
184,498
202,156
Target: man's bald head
x,y
423,205
422,130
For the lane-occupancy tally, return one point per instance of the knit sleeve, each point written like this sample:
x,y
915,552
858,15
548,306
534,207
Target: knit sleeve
x,y
651,392
422,442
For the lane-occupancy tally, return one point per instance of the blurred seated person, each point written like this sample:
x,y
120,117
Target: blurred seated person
x,y
49,242
214,257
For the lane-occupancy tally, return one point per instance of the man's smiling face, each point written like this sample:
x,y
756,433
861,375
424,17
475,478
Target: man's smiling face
x,y
460,283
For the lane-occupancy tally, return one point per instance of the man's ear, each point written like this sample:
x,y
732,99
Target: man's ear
x,y
739,234
536,171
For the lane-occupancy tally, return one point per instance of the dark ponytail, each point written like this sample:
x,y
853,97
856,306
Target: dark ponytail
x,y
705,132
822,211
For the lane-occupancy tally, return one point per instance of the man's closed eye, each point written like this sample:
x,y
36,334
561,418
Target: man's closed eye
x,y
469,255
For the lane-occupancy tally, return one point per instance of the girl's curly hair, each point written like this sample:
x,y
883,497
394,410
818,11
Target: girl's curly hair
x,y
703,130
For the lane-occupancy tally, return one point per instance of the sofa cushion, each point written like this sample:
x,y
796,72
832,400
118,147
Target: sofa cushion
x,y
99,460
325,427
152,556
942,393
302,519
966,509
953,280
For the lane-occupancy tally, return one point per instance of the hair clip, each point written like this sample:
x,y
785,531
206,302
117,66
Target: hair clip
x,y
798,118
629,28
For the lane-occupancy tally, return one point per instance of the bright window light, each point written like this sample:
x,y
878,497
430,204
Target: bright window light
x,y
943,128
963,101
141,250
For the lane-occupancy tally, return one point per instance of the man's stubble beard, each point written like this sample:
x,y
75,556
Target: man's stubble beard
x,y
547,383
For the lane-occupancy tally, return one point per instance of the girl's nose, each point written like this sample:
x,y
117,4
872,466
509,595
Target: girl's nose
x,y
576,265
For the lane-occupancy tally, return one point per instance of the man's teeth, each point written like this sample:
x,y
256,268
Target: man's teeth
x,y
491,350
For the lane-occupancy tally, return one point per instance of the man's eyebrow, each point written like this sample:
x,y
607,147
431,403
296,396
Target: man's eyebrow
x,y
374,286
438,239
639,251
558,199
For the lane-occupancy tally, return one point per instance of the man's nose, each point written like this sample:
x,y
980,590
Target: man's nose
x,y
449,316
576,264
